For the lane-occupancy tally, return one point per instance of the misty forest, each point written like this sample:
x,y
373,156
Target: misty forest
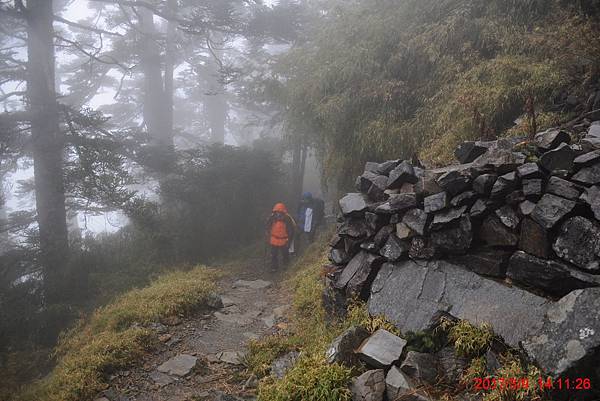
x,y
170,218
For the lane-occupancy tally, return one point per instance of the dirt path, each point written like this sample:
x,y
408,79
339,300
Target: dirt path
x,y
198,358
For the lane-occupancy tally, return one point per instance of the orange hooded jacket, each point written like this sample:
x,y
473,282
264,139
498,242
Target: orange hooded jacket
x,y
281,226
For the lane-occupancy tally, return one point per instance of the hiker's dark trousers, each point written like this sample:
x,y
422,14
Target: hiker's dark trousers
x,y
276,251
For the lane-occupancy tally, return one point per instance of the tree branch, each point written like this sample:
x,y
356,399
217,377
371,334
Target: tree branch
x,y
84,27
137,3
111,60
10,94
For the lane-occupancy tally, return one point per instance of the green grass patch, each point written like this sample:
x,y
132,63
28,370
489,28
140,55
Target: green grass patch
x,y
469,340
310,379
262,352
115,336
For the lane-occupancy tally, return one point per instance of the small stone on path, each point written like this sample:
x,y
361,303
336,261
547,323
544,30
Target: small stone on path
x,y
161,379
179,365
231,357
227,301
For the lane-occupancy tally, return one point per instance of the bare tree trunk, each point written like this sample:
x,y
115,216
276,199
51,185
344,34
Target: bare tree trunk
x,y
216,106
169,70
48,145
4,235
299,153
154,94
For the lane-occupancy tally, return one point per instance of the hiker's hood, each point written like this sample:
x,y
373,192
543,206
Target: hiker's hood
x,y
280,207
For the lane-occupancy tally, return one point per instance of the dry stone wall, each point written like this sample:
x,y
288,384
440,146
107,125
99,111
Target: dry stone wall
x,y
510,236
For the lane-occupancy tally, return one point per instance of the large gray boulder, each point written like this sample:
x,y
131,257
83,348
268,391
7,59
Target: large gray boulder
x,y
579,243
568,343
550,276
370,386
381,349
410,294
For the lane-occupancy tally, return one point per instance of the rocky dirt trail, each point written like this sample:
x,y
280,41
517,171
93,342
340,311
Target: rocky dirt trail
x,y
200,358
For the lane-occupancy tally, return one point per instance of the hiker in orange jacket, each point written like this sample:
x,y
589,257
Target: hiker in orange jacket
x,y
281,228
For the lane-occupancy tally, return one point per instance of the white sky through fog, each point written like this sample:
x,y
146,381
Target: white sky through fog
x,y
77,11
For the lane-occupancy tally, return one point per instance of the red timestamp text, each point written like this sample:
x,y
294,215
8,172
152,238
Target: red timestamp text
x,y
565,383
501,383
523,383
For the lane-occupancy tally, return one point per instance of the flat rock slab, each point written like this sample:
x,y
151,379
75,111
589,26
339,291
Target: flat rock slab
x,y
382,349
254,284
570,338
231,357
410,294
180,365
161,379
